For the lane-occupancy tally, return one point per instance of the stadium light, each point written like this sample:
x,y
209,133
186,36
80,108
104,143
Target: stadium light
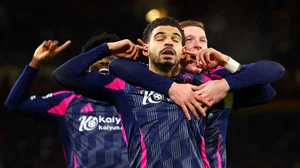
x,y
154,14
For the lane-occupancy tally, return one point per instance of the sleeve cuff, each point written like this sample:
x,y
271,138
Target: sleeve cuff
x,y
232,66
31,69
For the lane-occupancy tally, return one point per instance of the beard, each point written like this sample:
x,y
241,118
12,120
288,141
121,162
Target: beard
x,y
164,65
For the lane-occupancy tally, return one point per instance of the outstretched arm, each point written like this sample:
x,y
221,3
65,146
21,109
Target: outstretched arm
x,y
252,79
261,72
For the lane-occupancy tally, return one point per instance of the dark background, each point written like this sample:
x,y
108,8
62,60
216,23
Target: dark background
x,y
264,136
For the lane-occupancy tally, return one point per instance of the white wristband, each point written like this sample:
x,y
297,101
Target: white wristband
x,y
232,66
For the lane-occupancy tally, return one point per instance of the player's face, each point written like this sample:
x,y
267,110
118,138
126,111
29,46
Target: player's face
x,y
195,40
165,46
102,65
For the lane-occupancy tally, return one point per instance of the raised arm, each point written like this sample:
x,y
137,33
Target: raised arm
x,y
73,75
19,99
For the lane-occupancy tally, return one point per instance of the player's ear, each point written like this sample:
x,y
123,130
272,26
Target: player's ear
x,y
183,55
146,50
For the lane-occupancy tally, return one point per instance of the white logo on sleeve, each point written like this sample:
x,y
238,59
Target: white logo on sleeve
x,y
210,115
32,97
47,96
88,123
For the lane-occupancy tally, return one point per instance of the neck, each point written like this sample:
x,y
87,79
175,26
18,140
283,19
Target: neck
x,y
164,70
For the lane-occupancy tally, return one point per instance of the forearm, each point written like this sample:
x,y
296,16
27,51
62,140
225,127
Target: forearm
x,y
138,74
67,74
262,72
21,88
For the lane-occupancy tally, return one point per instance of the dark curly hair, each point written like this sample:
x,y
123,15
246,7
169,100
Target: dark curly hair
x,y
95,41
164,21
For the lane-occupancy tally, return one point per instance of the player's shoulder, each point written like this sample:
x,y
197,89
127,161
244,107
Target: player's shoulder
x,y
213,70
143,64
198,76
57,96
96,102
64,92
61,94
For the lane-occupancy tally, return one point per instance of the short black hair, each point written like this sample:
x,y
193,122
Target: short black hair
x,y
95,41
164,21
